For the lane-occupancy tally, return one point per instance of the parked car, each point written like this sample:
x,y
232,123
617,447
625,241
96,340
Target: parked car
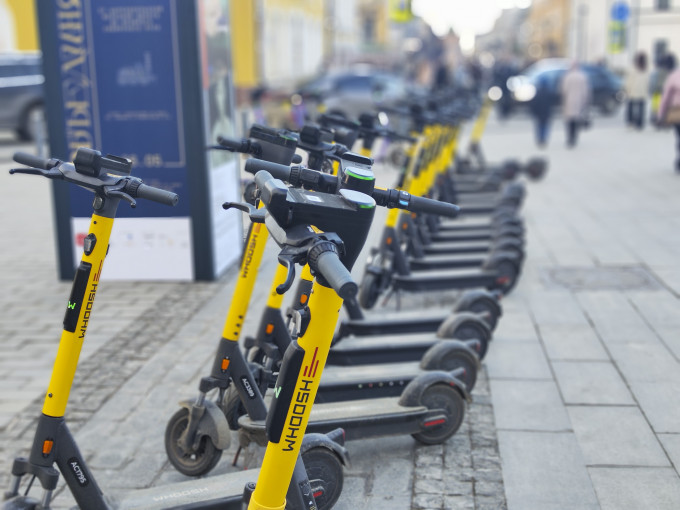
x,y
606,87
351,93
22,101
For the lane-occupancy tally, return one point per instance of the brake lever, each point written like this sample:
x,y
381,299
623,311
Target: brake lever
x,y
52,173
256,215
289,263
122,195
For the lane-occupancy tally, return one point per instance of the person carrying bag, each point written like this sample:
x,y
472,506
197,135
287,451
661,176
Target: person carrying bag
x,y
669,109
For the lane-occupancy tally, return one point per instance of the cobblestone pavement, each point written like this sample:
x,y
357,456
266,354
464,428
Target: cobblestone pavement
x,y
577,405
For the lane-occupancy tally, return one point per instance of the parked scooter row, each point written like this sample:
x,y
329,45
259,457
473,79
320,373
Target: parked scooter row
x,y
386,376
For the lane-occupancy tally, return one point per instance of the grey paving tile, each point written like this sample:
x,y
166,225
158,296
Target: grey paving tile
x,y
591,382
669,274
636,488
530,462
616,436
669,334
660,402
671,444
515,325
528,405
615,318
659,308
645,362
518,360
572,342
556,307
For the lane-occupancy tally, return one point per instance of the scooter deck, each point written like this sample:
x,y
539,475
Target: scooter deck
x,y
454,248
214,492
457,260
383,349
358,418
456,226
444,280
399,323
469,235
366,381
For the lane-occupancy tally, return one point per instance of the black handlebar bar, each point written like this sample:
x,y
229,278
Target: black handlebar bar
x,y
299,176
89,177
24,158
242,145
156,195
277,170
327,263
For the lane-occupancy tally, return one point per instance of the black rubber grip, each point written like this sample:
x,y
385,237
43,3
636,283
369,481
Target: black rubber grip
x,y
241,145
429,206
31,160
393,135
277,170
157,195
336,274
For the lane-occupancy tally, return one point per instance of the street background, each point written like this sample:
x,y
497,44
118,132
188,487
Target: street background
x,y
577,406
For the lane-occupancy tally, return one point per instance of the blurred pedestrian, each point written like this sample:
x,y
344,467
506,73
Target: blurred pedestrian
x,y
656,81
669,109
540,107
636,85
575,91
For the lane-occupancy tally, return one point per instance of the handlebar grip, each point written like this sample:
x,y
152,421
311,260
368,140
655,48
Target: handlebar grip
x,y
429,206
277,170
24,158
242,145
156,195
329,266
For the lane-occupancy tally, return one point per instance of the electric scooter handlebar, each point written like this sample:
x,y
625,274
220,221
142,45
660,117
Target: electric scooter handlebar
x,y
158,195
300,176
327,263
31,160
86,174
244,145
402,200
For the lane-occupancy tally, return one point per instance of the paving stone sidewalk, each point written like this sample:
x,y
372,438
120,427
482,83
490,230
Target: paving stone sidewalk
x,y
148,350
578,405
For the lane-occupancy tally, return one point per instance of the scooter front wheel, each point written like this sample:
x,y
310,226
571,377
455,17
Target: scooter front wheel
x,y
191,463
326,477
369,290
447,399
232,407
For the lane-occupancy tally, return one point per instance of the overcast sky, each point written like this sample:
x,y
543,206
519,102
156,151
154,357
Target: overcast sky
x,y
467,17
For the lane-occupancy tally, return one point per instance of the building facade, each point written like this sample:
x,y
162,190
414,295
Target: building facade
x,y
612,31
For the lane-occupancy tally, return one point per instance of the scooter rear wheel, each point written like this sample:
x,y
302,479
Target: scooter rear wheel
x,y
467,331
485,309
508,272
446,398
464,358
193,463
325,474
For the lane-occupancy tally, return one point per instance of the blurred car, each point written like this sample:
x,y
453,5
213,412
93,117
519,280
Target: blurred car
x,y
22,101
606,87
351,93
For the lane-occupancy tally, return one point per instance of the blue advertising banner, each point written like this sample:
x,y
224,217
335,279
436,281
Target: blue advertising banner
x,y
121,91
121,88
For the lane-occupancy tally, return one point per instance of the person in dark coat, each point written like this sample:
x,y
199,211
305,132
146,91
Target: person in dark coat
x,y
540,107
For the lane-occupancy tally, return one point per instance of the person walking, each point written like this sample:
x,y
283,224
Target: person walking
x,y
575,91
656,81
540,107
669,109
636,85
